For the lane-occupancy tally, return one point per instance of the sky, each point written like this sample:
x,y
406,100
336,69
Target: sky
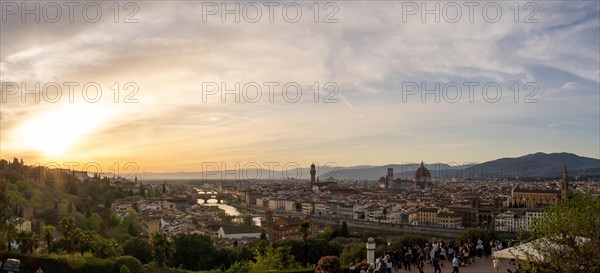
x,y
170,85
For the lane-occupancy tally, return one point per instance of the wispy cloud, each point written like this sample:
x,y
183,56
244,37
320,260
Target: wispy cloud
x,y
369,54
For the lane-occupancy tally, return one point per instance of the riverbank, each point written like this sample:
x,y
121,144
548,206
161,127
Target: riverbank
x,y
248,209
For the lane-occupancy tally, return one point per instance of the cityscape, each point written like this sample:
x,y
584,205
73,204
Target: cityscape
x,y
234,212
299,136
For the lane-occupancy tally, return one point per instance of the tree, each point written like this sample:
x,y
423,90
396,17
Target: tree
x,y
247,220
48,234
94,222
104,248
71,185
11,234
7,231
305,228
4,204
27,241
152,193
406,241
274,259
353,253
131,230
139,248
67,226
131,225
344,232
319,248
113,220
70,208
70,233
329,233
472,235
194,252
81,241
163,248
224,217
567,238
284,257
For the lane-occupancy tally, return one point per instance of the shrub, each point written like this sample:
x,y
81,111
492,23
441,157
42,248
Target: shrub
x,y
240,267
134,265
329,264
362,265
124,269
139,248
62,263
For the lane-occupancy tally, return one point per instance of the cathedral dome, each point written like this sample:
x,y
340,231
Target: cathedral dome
x,y
422,174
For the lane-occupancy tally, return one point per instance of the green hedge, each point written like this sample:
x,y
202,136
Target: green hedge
x,y
134,265
87,264
62,264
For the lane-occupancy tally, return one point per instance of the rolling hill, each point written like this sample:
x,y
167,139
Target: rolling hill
x,y
542,165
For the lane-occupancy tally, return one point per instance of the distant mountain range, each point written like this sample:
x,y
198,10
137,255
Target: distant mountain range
x,y
540,165
532,165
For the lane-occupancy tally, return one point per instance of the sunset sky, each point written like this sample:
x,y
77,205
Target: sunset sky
x,y
371,53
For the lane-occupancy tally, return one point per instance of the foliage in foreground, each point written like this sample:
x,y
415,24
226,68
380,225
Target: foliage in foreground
x,y
132,264
566,238
274,259
329,264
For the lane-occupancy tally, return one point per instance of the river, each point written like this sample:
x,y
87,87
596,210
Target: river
x,y
229,210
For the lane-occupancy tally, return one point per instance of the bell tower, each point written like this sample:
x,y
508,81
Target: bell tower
x,y
389,179
313,173
564,185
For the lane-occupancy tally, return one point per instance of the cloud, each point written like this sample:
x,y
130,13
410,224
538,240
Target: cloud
x,y
369,53
570,86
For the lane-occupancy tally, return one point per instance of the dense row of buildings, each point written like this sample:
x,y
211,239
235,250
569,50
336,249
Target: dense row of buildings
x,y
502,205
506,206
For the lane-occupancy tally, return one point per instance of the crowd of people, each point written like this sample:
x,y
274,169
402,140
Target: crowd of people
x,y
434,253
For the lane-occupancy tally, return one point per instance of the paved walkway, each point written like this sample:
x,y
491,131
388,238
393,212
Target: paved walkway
x,y
480,266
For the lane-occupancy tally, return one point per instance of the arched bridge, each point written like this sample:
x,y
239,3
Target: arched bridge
x,y
208,195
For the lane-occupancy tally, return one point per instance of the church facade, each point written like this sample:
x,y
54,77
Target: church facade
x,y
539,198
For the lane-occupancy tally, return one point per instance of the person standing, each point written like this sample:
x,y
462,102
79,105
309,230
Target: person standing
x,y
496,264
377,266
407,260
479,248
455,264
436,265
371,268
421,266
465,253
387,261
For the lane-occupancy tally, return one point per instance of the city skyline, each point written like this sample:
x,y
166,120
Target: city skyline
x,y
299,136
375,66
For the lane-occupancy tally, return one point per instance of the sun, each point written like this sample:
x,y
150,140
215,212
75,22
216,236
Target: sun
x,y
43,135
54,133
